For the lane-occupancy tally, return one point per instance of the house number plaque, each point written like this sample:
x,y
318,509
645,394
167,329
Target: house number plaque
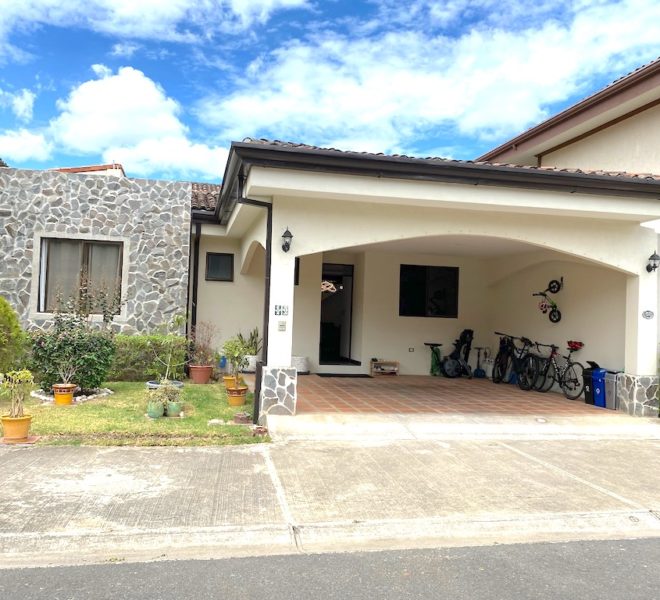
x,y
648,314
281,310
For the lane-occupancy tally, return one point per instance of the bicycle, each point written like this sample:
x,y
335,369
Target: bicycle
x,y
568,375
456,364
548,305
516,359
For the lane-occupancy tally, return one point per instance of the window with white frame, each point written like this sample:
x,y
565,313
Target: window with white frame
x,y
71,268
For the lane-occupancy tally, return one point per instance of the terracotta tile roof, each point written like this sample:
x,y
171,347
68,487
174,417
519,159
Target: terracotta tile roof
x,y
205,195
91,168
437,160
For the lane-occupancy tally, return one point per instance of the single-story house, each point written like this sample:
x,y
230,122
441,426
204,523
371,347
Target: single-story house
x,y
341,257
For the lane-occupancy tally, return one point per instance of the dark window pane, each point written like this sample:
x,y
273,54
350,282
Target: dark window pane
x,y
442,292
219,267
412,291
64,262
427,291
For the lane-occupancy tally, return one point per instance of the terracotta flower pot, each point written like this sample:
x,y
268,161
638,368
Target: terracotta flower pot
x,y
236,395
200,373
16,429
63,393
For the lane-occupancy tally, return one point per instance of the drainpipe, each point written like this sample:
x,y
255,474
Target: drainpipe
x,y
266,321
195,260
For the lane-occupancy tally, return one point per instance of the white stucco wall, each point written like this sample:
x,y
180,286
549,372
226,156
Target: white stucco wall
x,y
592,304
630,145
232,306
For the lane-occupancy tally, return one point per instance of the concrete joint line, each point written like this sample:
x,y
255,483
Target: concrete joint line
x,y
593,486
280,494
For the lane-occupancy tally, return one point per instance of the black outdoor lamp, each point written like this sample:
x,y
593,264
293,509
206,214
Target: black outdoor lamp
x,y
287,236
654,262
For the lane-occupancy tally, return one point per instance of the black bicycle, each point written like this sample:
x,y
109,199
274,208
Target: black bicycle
x,y
569,374
515,360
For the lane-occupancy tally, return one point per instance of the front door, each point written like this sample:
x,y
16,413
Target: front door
x,y
336,314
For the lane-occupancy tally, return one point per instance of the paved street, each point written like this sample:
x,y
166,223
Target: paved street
x,y
620,569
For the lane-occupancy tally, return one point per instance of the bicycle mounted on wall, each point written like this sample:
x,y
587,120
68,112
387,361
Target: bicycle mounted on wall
x,y
548,305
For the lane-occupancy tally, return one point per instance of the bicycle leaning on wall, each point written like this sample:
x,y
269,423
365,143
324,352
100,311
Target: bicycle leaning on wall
x,y
568,374
512,359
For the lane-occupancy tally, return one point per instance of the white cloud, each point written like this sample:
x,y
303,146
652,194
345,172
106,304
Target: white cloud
x,y
22,145
173,20
21,103
127,117
383,91
124,49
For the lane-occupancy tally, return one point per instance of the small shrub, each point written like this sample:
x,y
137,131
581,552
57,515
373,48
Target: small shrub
x,y
136,359
12,338
72,350
202,340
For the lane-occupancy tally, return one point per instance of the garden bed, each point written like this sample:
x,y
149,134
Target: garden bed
x,y
119,420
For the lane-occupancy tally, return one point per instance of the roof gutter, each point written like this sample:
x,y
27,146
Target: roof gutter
x,y
247,154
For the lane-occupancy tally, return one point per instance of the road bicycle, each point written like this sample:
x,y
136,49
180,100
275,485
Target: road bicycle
x,y
569,374
456,364
521,365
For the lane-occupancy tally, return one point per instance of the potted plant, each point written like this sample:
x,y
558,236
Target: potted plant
x,y
164,400
234,350
169,354
16,424
203,357
66,369
252,346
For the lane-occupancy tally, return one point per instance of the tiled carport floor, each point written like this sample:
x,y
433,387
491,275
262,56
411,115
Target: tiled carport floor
x,y
412,394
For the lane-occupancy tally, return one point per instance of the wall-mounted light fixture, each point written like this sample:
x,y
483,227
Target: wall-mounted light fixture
x,y
654,262
287,236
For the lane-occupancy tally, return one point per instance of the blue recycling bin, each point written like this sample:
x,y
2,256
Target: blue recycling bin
x,y
598,377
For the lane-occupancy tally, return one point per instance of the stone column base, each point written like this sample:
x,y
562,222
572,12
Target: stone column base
x,y
278,392
637,395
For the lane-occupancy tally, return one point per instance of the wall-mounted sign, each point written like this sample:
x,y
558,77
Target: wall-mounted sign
x,y
648,314
281,310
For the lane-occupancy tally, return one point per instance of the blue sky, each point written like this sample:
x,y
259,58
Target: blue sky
x,y
164,86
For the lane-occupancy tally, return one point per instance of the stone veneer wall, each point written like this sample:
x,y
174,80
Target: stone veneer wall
x,y
278,392
153,216
637,395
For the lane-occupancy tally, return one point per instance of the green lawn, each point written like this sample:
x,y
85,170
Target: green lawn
x,y
119,420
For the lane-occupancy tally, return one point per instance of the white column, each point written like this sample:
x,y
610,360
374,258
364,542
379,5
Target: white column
x,y
280,329
641,357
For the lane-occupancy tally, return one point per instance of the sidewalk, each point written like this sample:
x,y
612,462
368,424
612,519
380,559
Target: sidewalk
x,y
77,505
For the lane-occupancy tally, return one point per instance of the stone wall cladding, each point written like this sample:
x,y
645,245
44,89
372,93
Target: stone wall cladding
x,y
278,392
637,395
154,216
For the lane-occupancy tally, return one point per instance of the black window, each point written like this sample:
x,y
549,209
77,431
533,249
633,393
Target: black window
x,y
71,269
219,266
426,291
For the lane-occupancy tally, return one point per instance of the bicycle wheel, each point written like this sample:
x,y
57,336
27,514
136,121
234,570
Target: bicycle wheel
x,y
500,367
539,382
451,368
550,379
572,382
527,373
554,316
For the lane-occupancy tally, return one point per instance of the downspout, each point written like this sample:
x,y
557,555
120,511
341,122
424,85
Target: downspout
x,y
193,308
266,322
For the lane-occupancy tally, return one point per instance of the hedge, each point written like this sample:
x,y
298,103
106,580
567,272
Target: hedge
x,y
135,356
13,341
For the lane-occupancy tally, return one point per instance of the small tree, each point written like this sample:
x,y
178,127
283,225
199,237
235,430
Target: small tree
x,y
235,351
12,337
17,385
3,163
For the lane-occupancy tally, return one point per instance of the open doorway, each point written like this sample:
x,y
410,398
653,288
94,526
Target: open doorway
x,y
336,314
